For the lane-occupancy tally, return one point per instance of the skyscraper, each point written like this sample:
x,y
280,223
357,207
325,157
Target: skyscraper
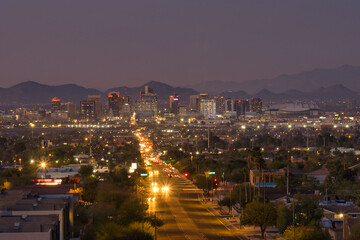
x,y
220,104
229,105
256,105
114,104
55,104
174,101
208,108
87,110
71,109
146,106
98,107
194,102
242,106
350,104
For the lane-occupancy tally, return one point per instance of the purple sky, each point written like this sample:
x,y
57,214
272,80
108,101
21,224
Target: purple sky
x,y
106,44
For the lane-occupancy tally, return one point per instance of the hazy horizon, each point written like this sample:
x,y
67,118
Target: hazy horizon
x,y
128,43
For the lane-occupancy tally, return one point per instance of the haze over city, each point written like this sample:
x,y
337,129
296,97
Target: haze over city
x,y
116,43
179,119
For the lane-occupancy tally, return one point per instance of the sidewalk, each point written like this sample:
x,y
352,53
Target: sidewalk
x,y
231,220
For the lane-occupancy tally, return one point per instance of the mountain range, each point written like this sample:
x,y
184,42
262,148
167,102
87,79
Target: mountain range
x,y
334,92
35,93
348,76
162,90
342,82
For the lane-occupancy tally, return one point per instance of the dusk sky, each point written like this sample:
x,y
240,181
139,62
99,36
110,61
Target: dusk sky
x,y
103,44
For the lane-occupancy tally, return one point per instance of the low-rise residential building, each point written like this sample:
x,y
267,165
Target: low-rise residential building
x,y
265,178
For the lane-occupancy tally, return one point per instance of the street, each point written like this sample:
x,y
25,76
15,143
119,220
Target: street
x,y
184,216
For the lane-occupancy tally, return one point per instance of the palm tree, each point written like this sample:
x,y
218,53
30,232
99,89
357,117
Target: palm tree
x,y
257,159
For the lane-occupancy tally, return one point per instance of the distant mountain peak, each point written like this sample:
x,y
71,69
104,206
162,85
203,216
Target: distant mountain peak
x,y
27,84
264,91
307,81
156,83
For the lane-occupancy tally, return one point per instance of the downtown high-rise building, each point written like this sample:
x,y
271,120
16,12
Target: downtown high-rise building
x,y
220,104
119,106
114,104
241,107
208,108
194,102
146,105
70,108
98,106
55,104
87,110
229,105
256,105
174,102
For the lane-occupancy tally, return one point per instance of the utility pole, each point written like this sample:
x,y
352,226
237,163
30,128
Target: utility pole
x,y
245,188
264,201
90,150
155,225
209,139
240,207
287,180
212,190
294,216
326,192
307,138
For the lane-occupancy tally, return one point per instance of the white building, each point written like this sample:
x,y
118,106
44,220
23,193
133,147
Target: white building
x,y
208,108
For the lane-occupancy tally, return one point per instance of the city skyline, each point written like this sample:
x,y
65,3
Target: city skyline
x,y
206,119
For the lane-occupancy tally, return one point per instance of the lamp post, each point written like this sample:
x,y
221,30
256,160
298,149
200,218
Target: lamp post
x,y
43,165
155,226
32,129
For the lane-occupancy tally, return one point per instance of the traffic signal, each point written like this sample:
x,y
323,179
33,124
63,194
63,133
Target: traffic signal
x,y
216,182
186,174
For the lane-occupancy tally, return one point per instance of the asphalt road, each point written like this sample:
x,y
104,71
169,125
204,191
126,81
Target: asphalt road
x,y
184,216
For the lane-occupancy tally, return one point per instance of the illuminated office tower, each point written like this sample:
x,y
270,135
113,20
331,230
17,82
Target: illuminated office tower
x,y
220,104
146,106
256,105
125,107
98,107
208,108
87,110
114,104
194,102
174,102
242,106
55,104
71,109
229,105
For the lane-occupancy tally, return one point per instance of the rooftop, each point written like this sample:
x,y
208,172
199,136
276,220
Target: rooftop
x,y
28,223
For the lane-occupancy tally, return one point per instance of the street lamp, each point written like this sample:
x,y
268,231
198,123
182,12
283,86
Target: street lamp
x,y
32,129
43,165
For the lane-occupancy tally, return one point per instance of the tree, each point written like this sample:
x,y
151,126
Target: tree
x,y
355,232
259,214
306,233
202,182
226,201
85,171
115,231
19,147
257,158
284,218
307,212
